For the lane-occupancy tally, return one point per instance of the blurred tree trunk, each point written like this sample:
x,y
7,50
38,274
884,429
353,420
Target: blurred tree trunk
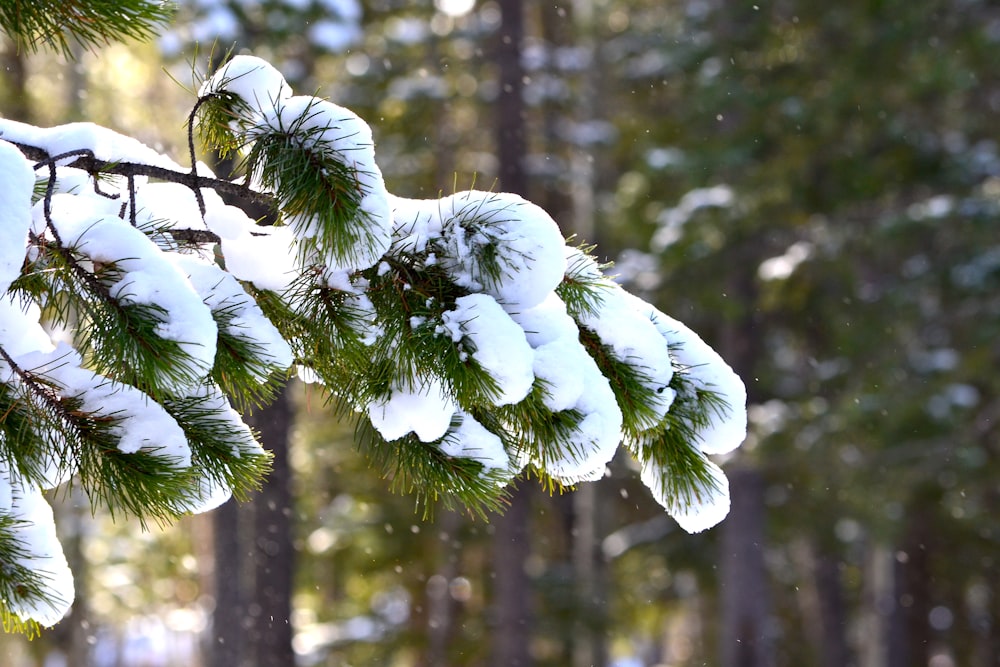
x,y
745,634
512,594
512,145
270,612
228,634
511,587
746,607
832,612
590,647
17,103
912,593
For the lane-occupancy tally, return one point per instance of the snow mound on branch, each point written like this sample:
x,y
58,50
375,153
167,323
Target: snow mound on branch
x,y
264,257
222,293
709,506
324,127
424,409
148,277
42,553
254,80
525,242
633,339
495,243
208,491
105,144
20,331
571,380
494,341
470,439
17,179
140,422
706,370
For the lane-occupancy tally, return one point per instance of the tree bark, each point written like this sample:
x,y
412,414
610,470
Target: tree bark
x,y
745,636
273,551
510,126
832,612
511,609
511,586
227,636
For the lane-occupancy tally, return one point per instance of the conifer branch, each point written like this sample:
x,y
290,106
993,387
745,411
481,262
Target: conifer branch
x,y
95,166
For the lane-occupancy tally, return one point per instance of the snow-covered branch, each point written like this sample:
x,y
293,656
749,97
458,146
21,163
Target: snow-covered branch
x,y
467,337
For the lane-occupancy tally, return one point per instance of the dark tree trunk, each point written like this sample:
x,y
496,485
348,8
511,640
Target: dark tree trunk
x,y
511,609
511,586
228,634
745,636
510,126
832,612
270,612
913,595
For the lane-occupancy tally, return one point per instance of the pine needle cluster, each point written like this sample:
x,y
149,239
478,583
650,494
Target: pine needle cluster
x,y
90,23
465,338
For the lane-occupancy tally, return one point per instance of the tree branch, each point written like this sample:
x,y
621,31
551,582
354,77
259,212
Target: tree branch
x,y
93,165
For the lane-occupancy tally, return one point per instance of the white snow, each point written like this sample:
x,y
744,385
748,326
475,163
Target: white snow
x,y
147,278
17,179
221,292
707,370
327,128
704,511
43,555
142,424
424,409
470,439
572,381
172,205
482,329
264,257
463,228
106,144
256,81
526,241
20,331
622,323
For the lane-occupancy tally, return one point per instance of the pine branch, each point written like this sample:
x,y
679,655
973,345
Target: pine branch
x,y
95,166
17,582
423,470
90,23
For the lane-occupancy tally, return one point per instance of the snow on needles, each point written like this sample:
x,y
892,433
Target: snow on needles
x,y
483,279
146,277
16,182
327,132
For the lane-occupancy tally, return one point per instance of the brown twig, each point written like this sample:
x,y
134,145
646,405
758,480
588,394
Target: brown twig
x,y
93,165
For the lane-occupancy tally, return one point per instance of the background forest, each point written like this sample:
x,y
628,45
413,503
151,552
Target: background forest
x,y
813,187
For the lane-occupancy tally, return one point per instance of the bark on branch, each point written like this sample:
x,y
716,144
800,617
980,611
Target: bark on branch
x,y
130,169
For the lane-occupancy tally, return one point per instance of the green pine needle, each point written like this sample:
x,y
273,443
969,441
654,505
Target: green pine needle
x,y
422,470
313,183
671,445
629,383
18,582
90,23
221,449
582,288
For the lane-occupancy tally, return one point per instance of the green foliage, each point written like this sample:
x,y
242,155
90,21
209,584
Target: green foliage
x,y
90,23
422,470
224,449
19,582
384,326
